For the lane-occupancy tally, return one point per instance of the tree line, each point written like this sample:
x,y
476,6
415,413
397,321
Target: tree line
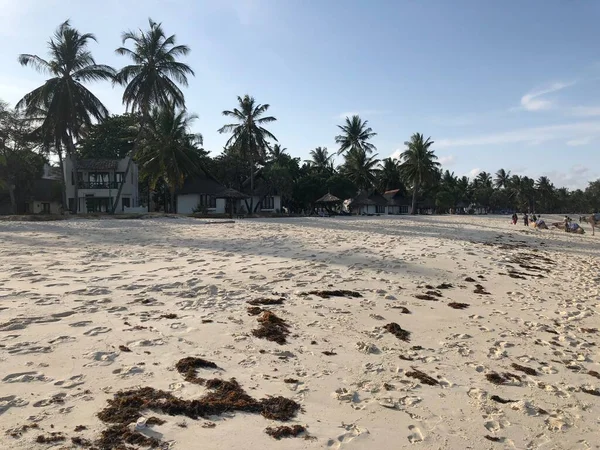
x,y
63,117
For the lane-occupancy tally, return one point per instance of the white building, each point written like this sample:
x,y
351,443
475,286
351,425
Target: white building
x,y
98,182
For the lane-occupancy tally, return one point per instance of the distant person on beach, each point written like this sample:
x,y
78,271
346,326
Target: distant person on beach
x,y
526,219
533,218
515,218
566,222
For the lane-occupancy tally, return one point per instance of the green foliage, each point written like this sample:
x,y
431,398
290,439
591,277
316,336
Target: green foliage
x,y
111,139
355,137
360,168
418,163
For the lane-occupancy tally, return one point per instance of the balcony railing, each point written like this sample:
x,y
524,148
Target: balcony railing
x,y
98,185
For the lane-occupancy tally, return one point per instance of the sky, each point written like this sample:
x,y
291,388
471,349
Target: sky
x,y
507,84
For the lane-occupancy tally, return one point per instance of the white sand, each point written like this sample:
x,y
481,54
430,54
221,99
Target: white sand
x,y
67,289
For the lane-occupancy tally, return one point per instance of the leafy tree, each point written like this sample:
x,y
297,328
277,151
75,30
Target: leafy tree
x,y
419,164
355,136
68,106
360,168
545,193
502,179
170,150
151,80
389,176
321,160
111,139
249,136
593,194
277,153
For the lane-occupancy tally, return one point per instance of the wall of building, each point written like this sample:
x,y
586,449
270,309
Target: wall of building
x,y
37,207
186,203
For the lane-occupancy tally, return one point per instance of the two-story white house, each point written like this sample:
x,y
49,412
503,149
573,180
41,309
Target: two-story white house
x,y
98,182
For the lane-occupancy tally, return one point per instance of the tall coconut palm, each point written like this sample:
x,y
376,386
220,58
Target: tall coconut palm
x,y
150,81
502,179
170,150
321,160
419,164
277,153
361,168
546,192
355,136
248,136
68,105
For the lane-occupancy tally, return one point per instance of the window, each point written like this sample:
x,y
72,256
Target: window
x,y
119,177
126,203
208,201
98,177
46,208
404,209
379,209
268,203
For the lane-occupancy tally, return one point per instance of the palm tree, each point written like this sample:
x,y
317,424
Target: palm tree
x,y
151,80
321,160
360,168
418,164
248,136
484,179
502,179
546,192
170,150
389,176
68,106
355,136
277,153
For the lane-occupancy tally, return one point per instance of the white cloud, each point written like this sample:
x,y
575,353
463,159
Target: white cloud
x,y
577,177
531,136
578,142
396,154
474,172
585,111
533,101
447,160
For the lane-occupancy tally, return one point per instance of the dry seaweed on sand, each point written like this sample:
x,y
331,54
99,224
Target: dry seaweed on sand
x,y
81,442
18,432
285,431
493,438
51,438
154,421
406,358
403,309
470,280
434,293
272,328
254,310
589,330
426,297
124,348
479,289
506,377
169,316
594,374
188,366
456,305
225,396
595,392
329,353
501,400
266,301
336,293
290,380
524,369
397,331
444,285
79,428
207,321
422,377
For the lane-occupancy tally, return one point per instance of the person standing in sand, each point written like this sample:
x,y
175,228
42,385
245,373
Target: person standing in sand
x,y
526,219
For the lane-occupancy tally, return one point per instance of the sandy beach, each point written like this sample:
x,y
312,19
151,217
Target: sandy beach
x,y
441,332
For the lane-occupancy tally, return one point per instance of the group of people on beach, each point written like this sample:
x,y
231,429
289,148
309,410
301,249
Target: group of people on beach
x,y
527,219
568,225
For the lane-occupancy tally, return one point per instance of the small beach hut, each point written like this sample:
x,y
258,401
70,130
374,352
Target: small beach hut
x,y
231,197
328,201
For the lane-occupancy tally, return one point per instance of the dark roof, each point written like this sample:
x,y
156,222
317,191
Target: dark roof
x,y
328,198
201,185
396,198
364,198
231,193
46,190
97,164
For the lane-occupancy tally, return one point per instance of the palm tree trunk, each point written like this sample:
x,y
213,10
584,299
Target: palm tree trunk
x,y
73,154
13,202
414,199
63,179
251,185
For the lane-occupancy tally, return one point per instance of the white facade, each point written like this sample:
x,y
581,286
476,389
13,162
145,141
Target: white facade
x,y
187,203
270,203
99,183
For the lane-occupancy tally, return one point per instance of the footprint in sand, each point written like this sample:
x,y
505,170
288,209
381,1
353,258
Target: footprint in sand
x,y
415,435
61,339
97,330
11,401
55,399
24,377
353,433
74,381
82,323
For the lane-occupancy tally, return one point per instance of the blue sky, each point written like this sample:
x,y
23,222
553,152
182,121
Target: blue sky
x,y
512,84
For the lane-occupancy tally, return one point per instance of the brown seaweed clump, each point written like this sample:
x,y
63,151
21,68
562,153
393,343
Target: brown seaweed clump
x,y
225,396
51,438
594,374
272,328
422,377
254,310
403,309
445,285
501,400
506,377
493,438
266,301
479,289
456,305
81,442
18,432
426,297
524,369
188,366
470,280
285,431
336,293
595,392
397,331
169,316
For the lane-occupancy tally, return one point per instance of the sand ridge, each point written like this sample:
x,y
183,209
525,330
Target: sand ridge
x,y
466,331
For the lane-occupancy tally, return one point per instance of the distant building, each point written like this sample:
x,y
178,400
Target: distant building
x,y
98,182
366,203
397,202
45,197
